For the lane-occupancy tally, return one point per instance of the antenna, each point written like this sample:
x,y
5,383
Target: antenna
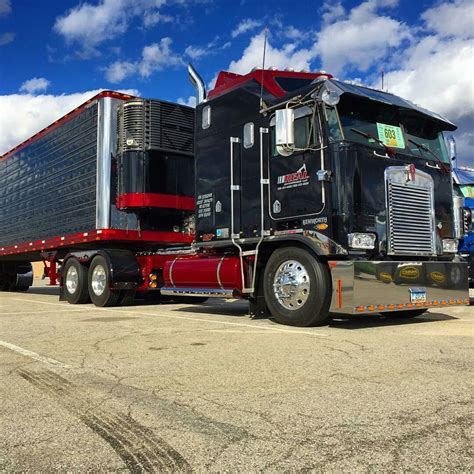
x,y
382,71
263,64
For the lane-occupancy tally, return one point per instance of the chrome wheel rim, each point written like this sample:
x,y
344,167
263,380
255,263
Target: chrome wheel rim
x,y
72,280
291,285
98,280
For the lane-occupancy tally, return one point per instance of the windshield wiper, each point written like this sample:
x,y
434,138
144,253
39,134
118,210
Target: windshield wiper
x,y
422,146
389,151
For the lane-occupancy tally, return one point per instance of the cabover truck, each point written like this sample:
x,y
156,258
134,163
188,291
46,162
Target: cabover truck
x,y
303,194
463,182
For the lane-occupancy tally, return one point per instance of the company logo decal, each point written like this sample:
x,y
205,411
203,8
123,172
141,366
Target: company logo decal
x,y
294,180
410,272
438,277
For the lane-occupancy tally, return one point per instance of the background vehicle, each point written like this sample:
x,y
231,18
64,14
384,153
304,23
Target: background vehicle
x,y
464,188
305,187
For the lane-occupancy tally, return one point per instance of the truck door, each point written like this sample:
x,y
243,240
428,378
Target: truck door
x,y
295,190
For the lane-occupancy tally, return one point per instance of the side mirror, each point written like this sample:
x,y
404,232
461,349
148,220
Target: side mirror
x,y
285,131
452,148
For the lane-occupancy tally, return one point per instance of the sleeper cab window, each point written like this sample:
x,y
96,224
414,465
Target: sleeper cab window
x,y
206,117
249,135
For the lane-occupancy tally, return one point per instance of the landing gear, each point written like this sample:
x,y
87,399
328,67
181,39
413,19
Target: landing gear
x,y
297,288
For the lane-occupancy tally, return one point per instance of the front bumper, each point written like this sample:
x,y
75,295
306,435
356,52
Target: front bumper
x,y
371,286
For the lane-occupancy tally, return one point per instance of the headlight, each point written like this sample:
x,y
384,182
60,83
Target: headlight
x,y
450,245
361,241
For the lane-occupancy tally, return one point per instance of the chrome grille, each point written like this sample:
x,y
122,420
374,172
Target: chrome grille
x,y
410,213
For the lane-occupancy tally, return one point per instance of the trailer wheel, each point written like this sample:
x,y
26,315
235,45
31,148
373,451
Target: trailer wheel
x,y
406,314
74,276
297,287
99,284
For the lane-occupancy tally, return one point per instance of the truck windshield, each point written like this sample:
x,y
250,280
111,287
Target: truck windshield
x,y
397,128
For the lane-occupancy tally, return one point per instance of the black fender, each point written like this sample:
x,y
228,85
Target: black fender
x,y
122,264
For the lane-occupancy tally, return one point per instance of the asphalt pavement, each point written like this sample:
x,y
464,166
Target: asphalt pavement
x,y
203,387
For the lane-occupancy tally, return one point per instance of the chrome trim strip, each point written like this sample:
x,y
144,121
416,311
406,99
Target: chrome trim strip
x,y
219,272
105,148
209,292
171,270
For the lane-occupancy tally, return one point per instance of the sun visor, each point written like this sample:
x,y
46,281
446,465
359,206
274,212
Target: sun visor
x,y
386,98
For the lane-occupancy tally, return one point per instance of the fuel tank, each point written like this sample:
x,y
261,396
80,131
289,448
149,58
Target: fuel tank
x,y
209,272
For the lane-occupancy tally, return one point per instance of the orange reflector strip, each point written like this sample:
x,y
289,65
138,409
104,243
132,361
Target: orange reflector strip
x,y
444,303
428,304
466,301
400,306
371,307
360,309
459,301
419,305
452,302
409,305
381,307
339,293
391,306
435,303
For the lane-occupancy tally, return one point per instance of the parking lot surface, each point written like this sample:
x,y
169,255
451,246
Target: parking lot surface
x,y
205,388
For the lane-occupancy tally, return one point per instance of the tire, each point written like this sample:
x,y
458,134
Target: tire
x,y
308,280
74,280
99,284
406,314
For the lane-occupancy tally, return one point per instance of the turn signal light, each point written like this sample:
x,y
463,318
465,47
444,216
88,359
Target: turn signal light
x,y
153,284
153,276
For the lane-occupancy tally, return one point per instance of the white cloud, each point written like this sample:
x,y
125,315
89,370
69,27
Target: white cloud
x,y
90,25
153,18
155,57
287,56
31,113
244,26
190,101
195,52
6,38
36,84
5,7
359,39
451,19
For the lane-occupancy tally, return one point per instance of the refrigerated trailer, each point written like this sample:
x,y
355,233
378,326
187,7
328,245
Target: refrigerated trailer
x,y
305,195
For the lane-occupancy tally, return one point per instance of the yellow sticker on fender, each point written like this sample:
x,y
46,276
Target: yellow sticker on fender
x,y
391,135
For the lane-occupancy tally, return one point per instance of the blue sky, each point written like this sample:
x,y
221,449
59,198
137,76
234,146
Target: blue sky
x,y
54,54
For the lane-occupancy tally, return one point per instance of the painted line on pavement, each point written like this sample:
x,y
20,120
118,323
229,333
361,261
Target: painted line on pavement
x,y
33,355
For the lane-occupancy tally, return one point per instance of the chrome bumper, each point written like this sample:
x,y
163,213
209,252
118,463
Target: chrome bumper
x,y
370,286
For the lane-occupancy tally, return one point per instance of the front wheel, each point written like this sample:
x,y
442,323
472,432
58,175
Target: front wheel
x,y
297,287
99,284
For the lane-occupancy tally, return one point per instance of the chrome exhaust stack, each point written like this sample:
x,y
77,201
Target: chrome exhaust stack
x,y
198,83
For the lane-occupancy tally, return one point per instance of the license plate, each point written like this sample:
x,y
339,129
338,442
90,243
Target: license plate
x,y
417,295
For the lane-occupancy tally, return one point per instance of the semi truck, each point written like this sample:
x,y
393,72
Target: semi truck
x,y
307,196
463,181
